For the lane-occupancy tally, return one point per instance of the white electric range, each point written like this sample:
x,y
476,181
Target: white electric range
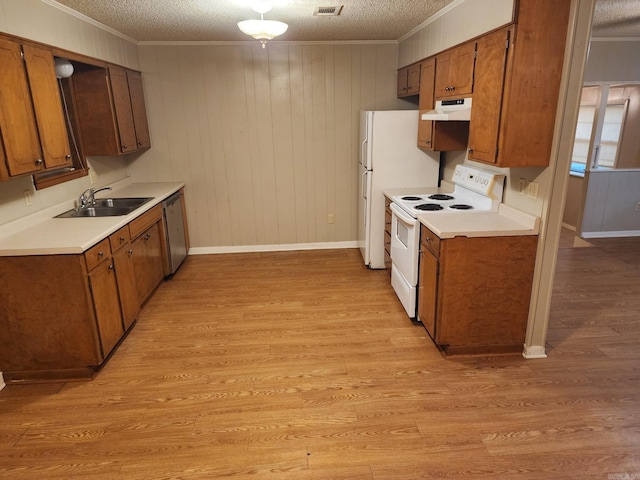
x,y
475,191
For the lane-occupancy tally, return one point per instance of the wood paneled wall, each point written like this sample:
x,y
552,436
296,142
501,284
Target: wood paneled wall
x,y
267,140
54,25
457,23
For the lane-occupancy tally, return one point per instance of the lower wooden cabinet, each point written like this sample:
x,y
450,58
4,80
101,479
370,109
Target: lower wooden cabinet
x,y
474,293
106,304
62,315
387,235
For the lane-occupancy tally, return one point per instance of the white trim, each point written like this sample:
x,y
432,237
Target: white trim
x,y
615,39
431,19
271,248
568,227
270,42
90,20
533,351
621,233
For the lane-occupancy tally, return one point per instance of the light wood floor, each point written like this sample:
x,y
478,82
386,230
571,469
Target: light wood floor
x,y
303,366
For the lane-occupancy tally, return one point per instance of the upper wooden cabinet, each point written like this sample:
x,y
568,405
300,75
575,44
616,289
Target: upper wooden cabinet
x,y
32,124
454,72
517,83
409,80
437,136
111,110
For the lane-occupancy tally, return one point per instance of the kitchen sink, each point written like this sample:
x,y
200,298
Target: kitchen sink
x,y
107,207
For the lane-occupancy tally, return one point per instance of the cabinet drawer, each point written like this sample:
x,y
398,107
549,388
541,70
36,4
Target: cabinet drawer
x,y
430,240
144,221
119,239
97,254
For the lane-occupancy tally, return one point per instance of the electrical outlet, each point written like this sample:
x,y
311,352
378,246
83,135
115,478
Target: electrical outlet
x,y
330,218
27,198
93,177
532,190
522,186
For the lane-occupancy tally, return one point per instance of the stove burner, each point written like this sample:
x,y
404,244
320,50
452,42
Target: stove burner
x,y
460,206
411,199
428,207
440,196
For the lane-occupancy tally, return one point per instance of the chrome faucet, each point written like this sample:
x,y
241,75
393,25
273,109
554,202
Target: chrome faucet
x,y
88,197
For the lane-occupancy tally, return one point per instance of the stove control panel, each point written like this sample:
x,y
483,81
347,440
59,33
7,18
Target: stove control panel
x,y
484,182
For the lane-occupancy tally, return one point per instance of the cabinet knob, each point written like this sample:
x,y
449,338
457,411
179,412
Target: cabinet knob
x,y
130,252
121,239
100,254
39,161
147,236
112,267
67,156
470,151
124,147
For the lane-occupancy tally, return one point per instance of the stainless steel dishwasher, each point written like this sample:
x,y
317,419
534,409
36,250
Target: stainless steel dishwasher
x,y
174,229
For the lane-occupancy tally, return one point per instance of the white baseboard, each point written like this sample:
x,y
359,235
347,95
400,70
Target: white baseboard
x,y
271,248
622,233
569,227
533,351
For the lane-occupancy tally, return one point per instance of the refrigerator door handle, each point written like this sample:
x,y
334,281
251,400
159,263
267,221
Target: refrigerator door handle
x,y
364,184
363,153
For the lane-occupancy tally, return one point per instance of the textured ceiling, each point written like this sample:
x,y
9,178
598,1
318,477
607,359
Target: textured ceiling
x,y
616,18
215,20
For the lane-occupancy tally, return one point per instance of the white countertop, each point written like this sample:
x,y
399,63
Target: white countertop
x,y
507,221
42,234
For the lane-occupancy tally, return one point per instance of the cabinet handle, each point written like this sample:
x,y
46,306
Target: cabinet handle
x,y
100,254
147,236
470,151
112,267
121,239
124,147
67,156
39,161
130,252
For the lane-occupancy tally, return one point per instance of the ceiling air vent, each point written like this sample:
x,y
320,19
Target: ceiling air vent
x,y
328,11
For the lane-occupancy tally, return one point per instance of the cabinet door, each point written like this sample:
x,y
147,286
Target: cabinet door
x,y
428,290
134,80
403,75
427,89
148,261
454,72
18,129
127,289
48,106
413,79
104,290
123,111
484,126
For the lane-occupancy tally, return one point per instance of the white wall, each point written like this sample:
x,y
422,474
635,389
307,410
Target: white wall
x,y
613,60
611,201
266,140
460,21
43,22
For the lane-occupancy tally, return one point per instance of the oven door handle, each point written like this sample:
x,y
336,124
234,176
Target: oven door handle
x,y
402,216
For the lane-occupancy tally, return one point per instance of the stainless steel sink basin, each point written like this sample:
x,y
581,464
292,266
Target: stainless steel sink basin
x,y
107,207
121,202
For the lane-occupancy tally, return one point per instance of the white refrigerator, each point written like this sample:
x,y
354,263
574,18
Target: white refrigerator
x,y
389,158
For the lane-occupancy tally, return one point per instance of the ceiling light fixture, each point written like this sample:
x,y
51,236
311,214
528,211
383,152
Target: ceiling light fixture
x,y
262,29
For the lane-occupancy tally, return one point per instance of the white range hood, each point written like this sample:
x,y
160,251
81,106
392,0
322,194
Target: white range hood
x,y
458,109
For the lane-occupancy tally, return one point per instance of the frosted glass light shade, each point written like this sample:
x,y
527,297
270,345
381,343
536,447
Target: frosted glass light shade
x,y
63,67
262,29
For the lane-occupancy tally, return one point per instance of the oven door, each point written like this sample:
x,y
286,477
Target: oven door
x,y
405,244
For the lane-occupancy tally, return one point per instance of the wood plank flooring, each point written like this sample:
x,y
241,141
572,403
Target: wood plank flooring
x,y
303,365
